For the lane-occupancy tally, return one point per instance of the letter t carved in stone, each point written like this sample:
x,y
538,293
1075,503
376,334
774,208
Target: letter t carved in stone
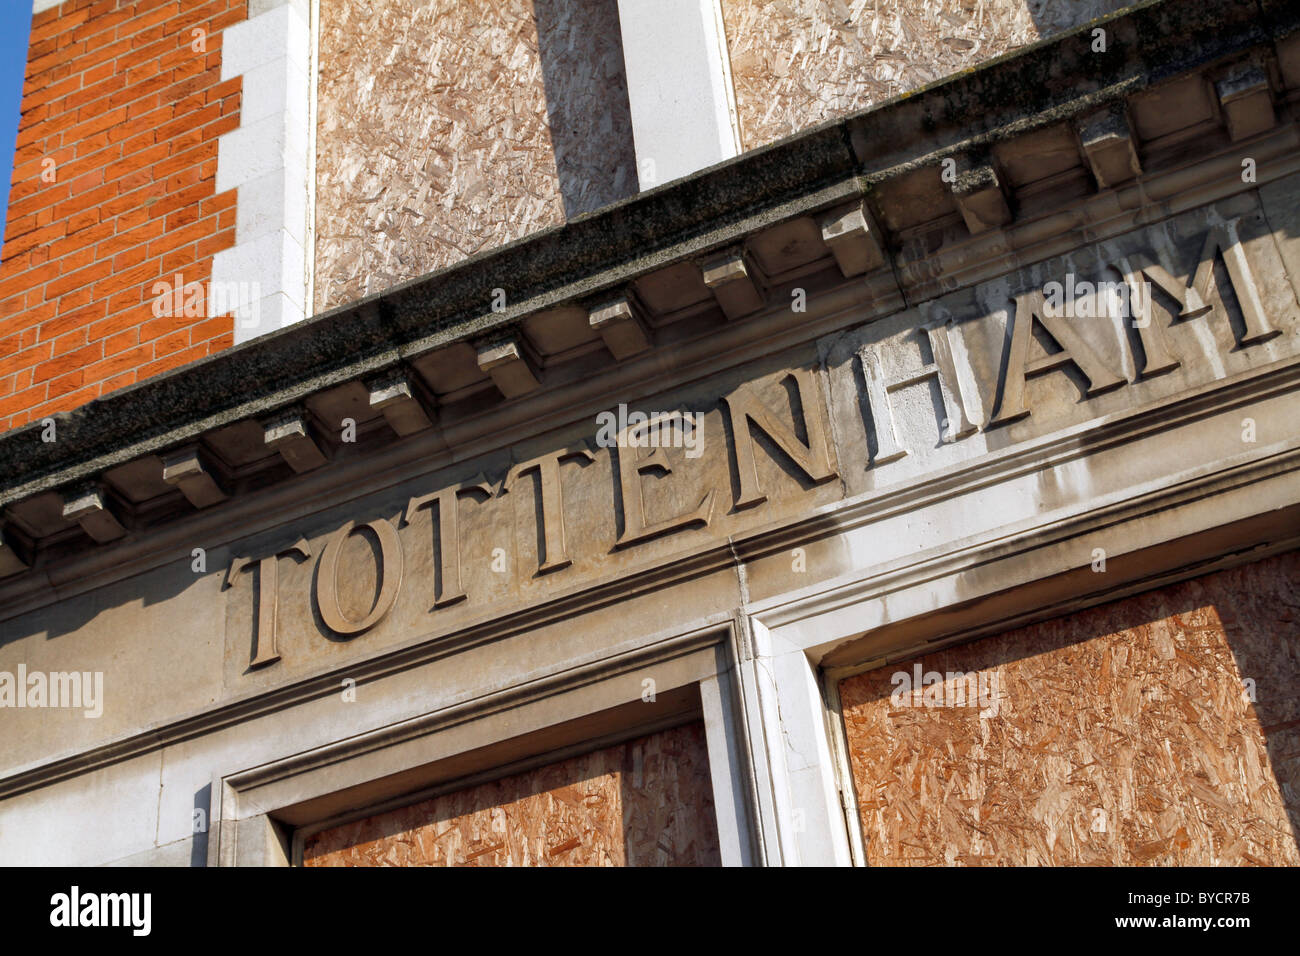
x,y
551,495
448,525
265,650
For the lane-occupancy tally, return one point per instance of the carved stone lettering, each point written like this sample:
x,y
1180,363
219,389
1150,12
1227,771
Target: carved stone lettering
x,y
632,465
1157,358
942,369
813,459
554,554
390,573
448,526
265,650
1019,366
1194,298
894,355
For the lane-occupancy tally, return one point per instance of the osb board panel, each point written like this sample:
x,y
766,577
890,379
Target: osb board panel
x,y
796,63
1120,735
450,127
646,802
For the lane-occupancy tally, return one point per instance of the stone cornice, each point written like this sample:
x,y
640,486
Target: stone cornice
x,y
856,180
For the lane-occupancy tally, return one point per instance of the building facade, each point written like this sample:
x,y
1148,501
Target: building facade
x,y
619,433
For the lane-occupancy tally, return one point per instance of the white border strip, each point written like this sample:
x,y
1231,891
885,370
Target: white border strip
x,y
678,87
313,105
267,159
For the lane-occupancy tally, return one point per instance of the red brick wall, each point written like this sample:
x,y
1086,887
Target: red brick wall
x,y
129,111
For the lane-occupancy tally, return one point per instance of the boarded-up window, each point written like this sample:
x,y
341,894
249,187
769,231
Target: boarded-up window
x,y
796,63
646,802
451,127
1125,734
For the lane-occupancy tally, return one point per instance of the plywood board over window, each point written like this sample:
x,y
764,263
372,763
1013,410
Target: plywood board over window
x,y
451,127
1125,734
796,63
646,802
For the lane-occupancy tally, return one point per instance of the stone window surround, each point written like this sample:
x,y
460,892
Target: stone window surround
x,y
261,815
684,118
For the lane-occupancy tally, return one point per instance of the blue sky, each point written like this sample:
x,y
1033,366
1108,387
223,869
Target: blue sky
x,y
15,24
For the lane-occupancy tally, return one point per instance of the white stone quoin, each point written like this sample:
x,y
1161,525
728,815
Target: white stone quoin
x,y
266,159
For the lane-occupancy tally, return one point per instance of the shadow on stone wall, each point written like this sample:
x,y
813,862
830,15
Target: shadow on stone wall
x,y
1056,16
